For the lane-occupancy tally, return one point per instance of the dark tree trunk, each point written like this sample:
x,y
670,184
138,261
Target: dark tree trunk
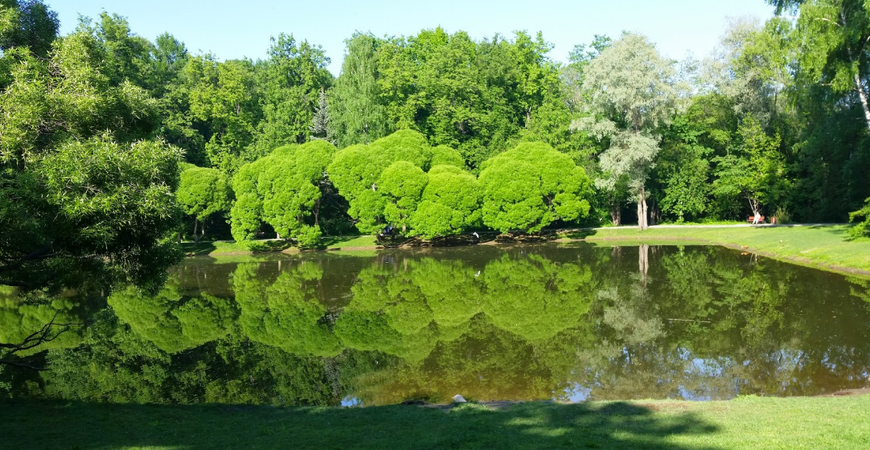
x,y
616,215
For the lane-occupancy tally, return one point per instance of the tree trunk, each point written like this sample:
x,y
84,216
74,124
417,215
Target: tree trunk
x,y
642,223
639,214
754,205
863,96
195,236
616,215
645,214
317,212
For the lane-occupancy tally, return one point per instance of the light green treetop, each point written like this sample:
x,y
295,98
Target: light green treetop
x,y
531,186
356,172
402,185
450,204
282,189
203,192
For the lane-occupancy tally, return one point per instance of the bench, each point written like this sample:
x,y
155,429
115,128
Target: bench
x,y
750,219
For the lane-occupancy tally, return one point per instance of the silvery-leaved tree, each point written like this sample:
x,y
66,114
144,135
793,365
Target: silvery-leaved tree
x,y
631,94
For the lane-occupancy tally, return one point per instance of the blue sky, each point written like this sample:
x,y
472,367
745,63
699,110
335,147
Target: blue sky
x,y
234,29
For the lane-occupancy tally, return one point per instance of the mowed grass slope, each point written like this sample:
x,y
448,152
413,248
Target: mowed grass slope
x,y
826,246
760,423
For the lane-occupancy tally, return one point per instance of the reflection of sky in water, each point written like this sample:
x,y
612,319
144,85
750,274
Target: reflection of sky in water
x,y
350,402
578,393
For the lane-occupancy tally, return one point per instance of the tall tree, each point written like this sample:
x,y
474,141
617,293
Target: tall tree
x,y
754,170
357,115
221,97
27,24
289,83
631,91
73,193
320,122
835,48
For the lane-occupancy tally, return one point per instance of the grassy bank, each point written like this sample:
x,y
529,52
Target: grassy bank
x,y
820,246
764,423
824,246
226,248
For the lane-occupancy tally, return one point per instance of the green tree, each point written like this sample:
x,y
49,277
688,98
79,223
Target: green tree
x,y
835,51
320,122
356,172
754,170
444,155
74,195
402,185
357,115
530,187
220,96
631,91
247,211
289,84
201,193
450,203
283,189
27,24
290,186
683,171
861,229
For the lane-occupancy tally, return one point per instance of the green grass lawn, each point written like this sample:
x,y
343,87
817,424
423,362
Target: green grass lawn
x,y
825,246
226,248
757,423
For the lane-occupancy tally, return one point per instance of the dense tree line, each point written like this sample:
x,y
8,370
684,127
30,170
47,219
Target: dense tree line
x,y
432,134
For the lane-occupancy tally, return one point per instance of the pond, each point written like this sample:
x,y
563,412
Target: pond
x,y
563,322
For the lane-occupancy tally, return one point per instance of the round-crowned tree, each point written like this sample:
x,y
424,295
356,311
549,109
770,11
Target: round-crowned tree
x,y
450,203
530,187
356,172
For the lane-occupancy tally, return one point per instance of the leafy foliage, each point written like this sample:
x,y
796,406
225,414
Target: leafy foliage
x,y
530,187
203,192
449,205
631,89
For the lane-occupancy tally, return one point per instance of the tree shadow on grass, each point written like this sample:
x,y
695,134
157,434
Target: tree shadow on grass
x,y
200,249
582,233
531,425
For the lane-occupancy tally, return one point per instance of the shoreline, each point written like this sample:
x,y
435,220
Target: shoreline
x,y
819,246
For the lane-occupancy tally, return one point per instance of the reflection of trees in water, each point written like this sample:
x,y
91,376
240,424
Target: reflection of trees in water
x,y
484,363
116,365
728,326
285,313
172,321
536,298
529,323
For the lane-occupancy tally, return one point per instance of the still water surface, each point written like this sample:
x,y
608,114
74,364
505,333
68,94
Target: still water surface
x,y
491,323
